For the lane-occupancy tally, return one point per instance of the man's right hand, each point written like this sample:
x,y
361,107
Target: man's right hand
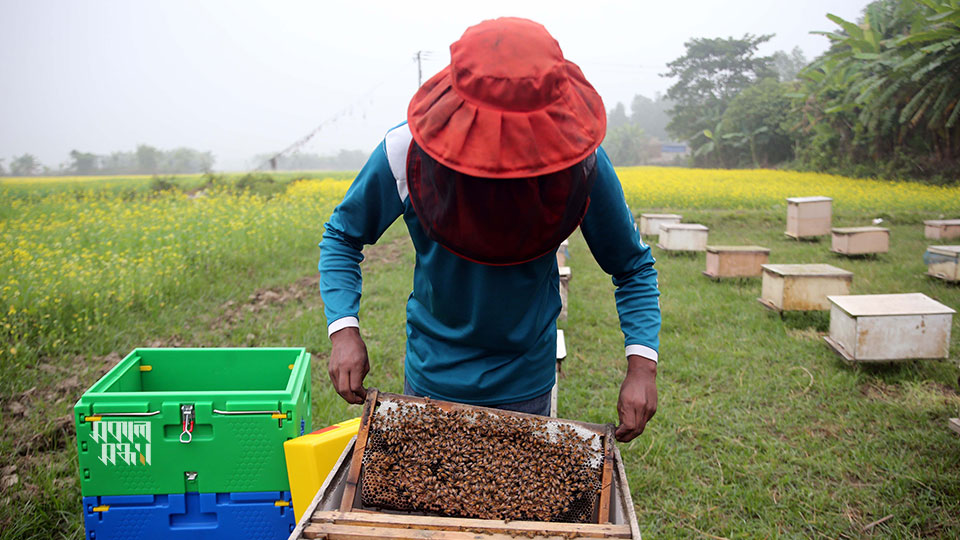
x,y
348,364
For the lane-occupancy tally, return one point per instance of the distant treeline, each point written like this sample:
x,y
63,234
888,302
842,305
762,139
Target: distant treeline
x,y
144,160
344,160
882,101
635,139
638,138
149,160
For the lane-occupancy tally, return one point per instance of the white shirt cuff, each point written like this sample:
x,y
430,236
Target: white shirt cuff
x,y
341,323
640,350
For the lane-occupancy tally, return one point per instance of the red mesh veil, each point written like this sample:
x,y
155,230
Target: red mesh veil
x,y
498,221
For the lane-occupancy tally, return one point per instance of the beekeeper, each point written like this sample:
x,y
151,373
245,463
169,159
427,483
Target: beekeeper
x,y
498,162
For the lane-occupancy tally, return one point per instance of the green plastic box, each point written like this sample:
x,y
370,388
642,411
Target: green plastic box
x,y
166,421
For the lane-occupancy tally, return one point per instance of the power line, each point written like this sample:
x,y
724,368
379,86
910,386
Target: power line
x,y
617,66
273,160
418,58
419,69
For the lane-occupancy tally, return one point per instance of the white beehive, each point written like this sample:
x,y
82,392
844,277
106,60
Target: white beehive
x,y
943,262
564,291
735,261
561,355
802,287
563,253
941,229
888,327
860,240
650,223
808,217
683,237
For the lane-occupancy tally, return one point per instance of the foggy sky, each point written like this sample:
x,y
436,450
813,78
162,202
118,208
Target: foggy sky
x,y
240,78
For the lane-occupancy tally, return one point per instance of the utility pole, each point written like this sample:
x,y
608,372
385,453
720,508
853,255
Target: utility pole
x,y
419,70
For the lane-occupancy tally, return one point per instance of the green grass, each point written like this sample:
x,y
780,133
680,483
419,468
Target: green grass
x,y
762,432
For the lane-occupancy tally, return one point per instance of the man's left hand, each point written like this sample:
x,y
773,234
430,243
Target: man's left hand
x,y
638,397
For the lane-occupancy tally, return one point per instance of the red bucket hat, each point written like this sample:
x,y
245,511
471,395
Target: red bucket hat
x,y
508,105
502,161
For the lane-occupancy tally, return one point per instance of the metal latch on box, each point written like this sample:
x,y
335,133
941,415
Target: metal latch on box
x,y
187,418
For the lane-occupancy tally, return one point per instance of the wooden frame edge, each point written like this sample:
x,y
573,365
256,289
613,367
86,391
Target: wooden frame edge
x,y
305,518
353,477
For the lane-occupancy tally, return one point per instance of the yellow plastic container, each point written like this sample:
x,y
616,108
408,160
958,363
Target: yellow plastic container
x,y
311,457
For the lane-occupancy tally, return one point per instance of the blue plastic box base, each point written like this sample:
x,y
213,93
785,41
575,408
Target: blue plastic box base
x,y
191,516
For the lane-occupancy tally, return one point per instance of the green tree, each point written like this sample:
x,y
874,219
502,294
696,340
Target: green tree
x,y
83,162
25,165
788,65
651,115
760,118
185,160
627,145
617,116
884,97
344,160
148,158
119,163
710,74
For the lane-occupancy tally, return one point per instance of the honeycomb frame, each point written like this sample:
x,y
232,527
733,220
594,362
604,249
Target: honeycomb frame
x,y
445,480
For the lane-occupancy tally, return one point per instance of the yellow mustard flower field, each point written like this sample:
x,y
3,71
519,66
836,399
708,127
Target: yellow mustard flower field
x,y
672,187
79,260
81,255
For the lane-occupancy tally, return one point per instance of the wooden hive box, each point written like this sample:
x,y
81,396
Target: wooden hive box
x,y
650,223
941,229
564,291
802,287
943,262
563,253
735,261
808,217
323,519
889,327
332,515
860,240
683,237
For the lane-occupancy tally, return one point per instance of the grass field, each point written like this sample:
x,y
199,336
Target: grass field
x,y
761,432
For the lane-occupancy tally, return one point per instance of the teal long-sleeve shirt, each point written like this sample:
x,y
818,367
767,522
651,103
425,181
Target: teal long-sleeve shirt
x,y
482,334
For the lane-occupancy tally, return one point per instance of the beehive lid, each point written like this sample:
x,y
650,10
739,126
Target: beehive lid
x,y
739,249
564,271
662,216
798,200
561,345
936,222
855,230
684,227
873,305
807,270
949,251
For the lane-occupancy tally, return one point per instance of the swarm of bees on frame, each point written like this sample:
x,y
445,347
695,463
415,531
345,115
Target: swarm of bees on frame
x,y
479,464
